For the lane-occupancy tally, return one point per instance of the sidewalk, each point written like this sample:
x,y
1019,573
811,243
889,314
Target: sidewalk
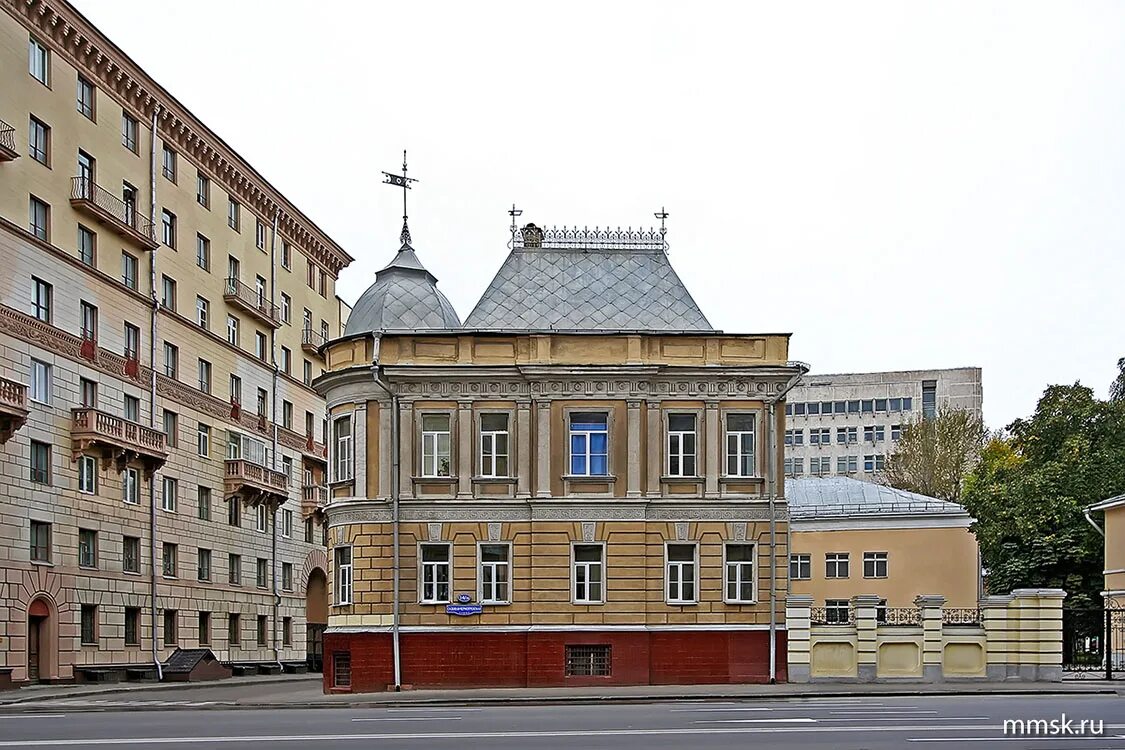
x,y
305,691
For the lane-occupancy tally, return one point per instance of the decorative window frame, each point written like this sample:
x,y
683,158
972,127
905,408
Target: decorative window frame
x,y
421,580
695,571
754,563
574,579
480,568
759,420
478,444
700,447
419,417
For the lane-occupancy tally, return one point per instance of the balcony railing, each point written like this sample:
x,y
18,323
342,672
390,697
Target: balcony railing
x,y
117,439
255,483
249,299
106,208
13,407
313,498
8,150
311,340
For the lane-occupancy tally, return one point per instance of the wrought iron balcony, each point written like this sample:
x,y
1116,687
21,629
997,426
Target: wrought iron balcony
x,y
249,299
8,150
254,483
311,341
13,407
313,499
106,208
117,440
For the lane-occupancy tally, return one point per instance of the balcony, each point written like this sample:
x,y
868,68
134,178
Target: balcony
x,y
8,150
255,484
313,499
107,209
13,407
118,440
315,451
249,299
311,341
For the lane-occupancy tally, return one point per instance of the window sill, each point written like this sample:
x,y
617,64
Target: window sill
x,y
435,603
493,480
681,604
754,479
44,563
739,602
590,477
131,572
675,478
450,479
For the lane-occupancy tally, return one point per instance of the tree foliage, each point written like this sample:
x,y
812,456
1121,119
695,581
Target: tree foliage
x,y
935,454
1117,387
1031,484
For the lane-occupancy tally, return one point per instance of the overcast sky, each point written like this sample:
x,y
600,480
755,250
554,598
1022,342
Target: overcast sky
x,y
899,185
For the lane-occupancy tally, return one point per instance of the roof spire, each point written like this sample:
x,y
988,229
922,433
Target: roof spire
x,y
515,212
404,182
662,214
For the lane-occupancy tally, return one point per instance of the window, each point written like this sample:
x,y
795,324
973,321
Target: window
x,y
169,163
169,553
836,565
263,640
847,464
129,131
203,571
234,565
204,376
287,520
880,404
324,330
286,631
286,308
129,270
87,246
740,445
40,462
168,223
202,313
87,548
587,573
286,360
589,444
494,573
203,252
88,392
435,573
39,141
741,586
847,435
89,316
39,62
89,625
234,215
588,661
260,345
234,512
235,393
131,486
342,669
262,519
286,255
813,407
129,198
874,433
310,277
820,466
232,330
203,502
837,612
41,379
132,341
322,284
309,530
234,629
168,293
794,467
132,626
40,541
435,445
263,402
287,576
259,234
494,445
204,628
42,295
306,320
929,399
203,440
840,407
794,437
171,620
874,564
342,449
874,462
343,572
895,404
131,554
679,573
681,445
260,290
87,475
39,214
287,414
203,190
907,403
800,567
169,487
306,372
171,428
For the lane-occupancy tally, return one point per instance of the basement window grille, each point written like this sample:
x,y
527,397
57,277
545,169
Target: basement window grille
x,y
342,669
588,661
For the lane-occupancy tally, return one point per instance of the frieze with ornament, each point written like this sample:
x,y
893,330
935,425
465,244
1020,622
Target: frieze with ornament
x,y
559,388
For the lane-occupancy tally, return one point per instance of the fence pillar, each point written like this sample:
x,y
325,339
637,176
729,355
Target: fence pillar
x,y
930,618
1039,613
865,607
798,626
1000,641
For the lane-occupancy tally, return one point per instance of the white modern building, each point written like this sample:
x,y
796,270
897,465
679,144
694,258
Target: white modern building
x,y
847,424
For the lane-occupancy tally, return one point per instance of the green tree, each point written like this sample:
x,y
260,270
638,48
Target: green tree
x,y
935,454
1117,387
1031,484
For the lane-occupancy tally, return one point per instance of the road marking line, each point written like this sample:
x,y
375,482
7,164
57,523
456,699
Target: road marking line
x,y
794,720
715,710
33,716
888,712
411,718
428,708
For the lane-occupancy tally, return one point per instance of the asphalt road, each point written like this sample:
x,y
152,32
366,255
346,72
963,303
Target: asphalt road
x,y
868,723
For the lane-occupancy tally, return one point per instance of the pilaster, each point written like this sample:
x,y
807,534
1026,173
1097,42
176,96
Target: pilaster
x,y
406,449
633,473
866,633
464,449
713,464
655,440
798,625
543,448
523,449
385,448
929,616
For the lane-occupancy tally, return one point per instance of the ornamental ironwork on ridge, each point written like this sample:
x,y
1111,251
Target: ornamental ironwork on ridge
x,y
575,238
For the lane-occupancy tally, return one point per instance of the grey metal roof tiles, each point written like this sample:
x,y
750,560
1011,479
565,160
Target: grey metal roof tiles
x,y
587,289
404,297
838,497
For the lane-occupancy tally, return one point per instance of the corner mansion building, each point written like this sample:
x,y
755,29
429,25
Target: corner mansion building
x,y
578,485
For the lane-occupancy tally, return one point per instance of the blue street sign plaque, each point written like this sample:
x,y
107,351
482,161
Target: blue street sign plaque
x,y
463,610
464,598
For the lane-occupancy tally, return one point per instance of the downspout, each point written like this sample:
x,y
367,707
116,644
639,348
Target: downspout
x,y
273,431
771,479
1092,522
152,398
395,603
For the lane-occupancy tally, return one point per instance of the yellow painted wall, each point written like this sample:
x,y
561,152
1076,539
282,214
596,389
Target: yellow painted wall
x,y
1115,548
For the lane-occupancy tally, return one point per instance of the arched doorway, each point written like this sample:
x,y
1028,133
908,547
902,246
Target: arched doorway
x,y
42,640
316,618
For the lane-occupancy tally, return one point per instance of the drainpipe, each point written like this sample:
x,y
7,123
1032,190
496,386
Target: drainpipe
x,y
152,399
1092,522
771,479
395,573
273,449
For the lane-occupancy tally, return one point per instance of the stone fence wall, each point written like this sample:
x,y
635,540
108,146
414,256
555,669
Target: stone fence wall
x,y
1013,637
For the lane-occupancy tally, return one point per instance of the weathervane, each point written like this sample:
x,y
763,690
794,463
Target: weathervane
x,y
662,215
514,213
403,182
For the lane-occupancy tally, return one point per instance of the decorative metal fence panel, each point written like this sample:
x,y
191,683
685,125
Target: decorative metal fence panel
x,y
1094,642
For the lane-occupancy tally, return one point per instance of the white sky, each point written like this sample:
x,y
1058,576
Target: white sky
x,y
900,185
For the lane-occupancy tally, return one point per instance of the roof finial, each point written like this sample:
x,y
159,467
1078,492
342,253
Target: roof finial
x,y
514,213
662,215
404,182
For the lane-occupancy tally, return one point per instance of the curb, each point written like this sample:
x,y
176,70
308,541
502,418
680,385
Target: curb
x,y
143,686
